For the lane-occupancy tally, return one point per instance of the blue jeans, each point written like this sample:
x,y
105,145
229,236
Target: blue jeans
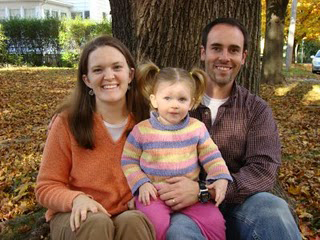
x,y
262,216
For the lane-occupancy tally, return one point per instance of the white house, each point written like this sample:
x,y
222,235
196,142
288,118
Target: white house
x,y
93,9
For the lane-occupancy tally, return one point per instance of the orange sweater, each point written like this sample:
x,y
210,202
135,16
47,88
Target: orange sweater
x,y
68,170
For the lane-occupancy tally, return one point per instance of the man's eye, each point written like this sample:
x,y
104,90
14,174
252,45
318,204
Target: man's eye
x,y
235,50
117,67
97,70
166,98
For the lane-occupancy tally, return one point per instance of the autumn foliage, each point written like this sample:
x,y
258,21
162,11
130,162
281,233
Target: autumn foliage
x,y
28,97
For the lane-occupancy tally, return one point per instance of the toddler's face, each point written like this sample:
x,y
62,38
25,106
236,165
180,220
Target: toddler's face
x,y
172,101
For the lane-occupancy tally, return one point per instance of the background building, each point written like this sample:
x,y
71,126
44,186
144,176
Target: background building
x,y
87,9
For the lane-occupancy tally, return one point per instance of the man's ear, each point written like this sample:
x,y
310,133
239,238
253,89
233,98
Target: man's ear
x,y
202,53
244,56
153,101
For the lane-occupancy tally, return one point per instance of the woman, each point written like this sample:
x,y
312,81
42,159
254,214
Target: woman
x,y
80,179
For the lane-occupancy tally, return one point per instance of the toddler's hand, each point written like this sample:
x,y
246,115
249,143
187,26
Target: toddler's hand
x,y
145,191
220,188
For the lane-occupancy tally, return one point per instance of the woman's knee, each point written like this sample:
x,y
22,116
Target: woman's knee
x,y
129,217
98,218
98,222
133,224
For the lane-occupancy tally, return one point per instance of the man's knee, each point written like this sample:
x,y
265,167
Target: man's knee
x,y
183,227
267,205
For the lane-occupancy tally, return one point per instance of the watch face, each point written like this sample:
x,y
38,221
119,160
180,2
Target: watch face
x,y
204,196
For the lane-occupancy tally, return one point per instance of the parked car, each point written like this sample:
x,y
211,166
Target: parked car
x,y
316,62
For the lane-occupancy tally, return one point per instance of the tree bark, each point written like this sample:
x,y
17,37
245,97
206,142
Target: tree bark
x,y
273,50
169,32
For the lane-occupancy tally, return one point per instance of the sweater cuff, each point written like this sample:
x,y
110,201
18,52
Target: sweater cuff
x,y
135,189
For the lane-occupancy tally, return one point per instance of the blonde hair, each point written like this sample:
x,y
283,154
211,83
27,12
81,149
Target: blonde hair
x,y
150,75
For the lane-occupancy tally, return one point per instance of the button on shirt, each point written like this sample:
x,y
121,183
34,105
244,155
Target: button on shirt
x,y
248,140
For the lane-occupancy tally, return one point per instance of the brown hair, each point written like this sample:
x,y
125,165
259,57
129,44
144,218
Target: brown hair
x,y
81,105
150,75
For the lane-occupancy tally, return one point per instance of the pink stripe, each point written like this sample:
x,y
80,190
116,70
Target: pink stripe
x,y
150,137
134,177
169,165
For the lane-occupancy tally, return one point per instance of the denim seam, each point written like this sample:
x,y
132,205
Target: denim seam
x,y
249,222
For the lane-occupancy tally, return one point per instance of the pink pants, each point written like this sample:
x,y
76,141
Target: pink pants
x,y
207,216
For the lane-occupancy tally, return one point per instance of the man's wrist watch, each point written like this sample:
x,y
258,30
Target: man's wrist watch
x,y
204,195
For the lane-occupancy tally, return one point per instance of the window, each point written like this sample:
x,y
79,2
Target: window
x,y
47,13
76,14
63,15
86,14
2,14
55,14
29,13
14,13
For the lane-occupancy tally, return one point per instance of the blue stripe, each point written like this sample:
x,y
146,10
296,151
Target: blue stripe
x,y
169,173
211,158
127,162
138,184
170,144
133,141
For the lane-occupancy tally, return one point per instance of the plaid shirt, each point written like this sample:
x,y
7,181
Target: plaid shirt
x,y
248,140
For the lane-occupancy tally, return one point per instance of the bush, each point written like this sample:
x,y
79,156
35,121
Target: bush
x,y
3,46
49,42
75,33
32,38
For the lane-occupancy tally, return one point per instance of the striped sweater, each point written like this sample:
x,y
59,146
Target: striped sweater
x,y
154,152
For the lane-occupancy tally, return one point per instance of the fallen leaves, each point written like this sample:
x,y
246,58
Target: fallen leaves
x,y
29,96
296,108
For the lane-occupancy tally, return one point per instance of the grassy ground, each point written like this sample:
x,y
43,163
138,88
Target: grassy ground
x,y
28,97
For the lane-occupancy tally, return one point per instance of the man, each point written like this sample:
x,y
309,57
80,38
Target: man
x,y
242,126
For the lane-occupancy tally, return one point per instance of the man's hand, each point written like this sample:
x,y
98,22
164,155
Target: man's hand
x,y
179,192
218,190
145,191
80,206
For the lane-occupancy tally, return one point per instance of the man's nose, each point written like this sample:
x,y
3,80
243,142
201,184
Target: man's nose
x,y
224,55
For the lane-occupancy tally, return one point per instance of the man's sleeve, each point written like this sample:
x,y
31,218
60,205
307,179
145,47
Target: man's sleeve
x,y
262,158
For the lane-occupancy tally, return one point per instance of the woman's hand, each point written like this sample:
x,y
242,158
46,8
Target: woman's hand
x,y
80,206
218,190
145,191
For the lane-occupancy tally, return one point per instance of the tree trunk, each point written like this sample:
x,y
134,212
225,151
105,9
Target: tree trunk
x,y
273,50
292,28
169,32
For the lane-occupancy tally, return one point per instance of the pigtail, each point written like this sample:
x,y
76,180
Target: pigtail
x,y
200,78
146,78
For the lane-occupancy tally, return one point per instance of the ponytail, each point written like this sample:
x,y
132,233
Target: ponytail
x,y
146,78
200,79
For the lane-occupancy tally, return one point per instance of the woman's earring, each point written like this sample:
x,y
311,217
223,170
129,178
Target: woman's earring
x,y
129,86
91,92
